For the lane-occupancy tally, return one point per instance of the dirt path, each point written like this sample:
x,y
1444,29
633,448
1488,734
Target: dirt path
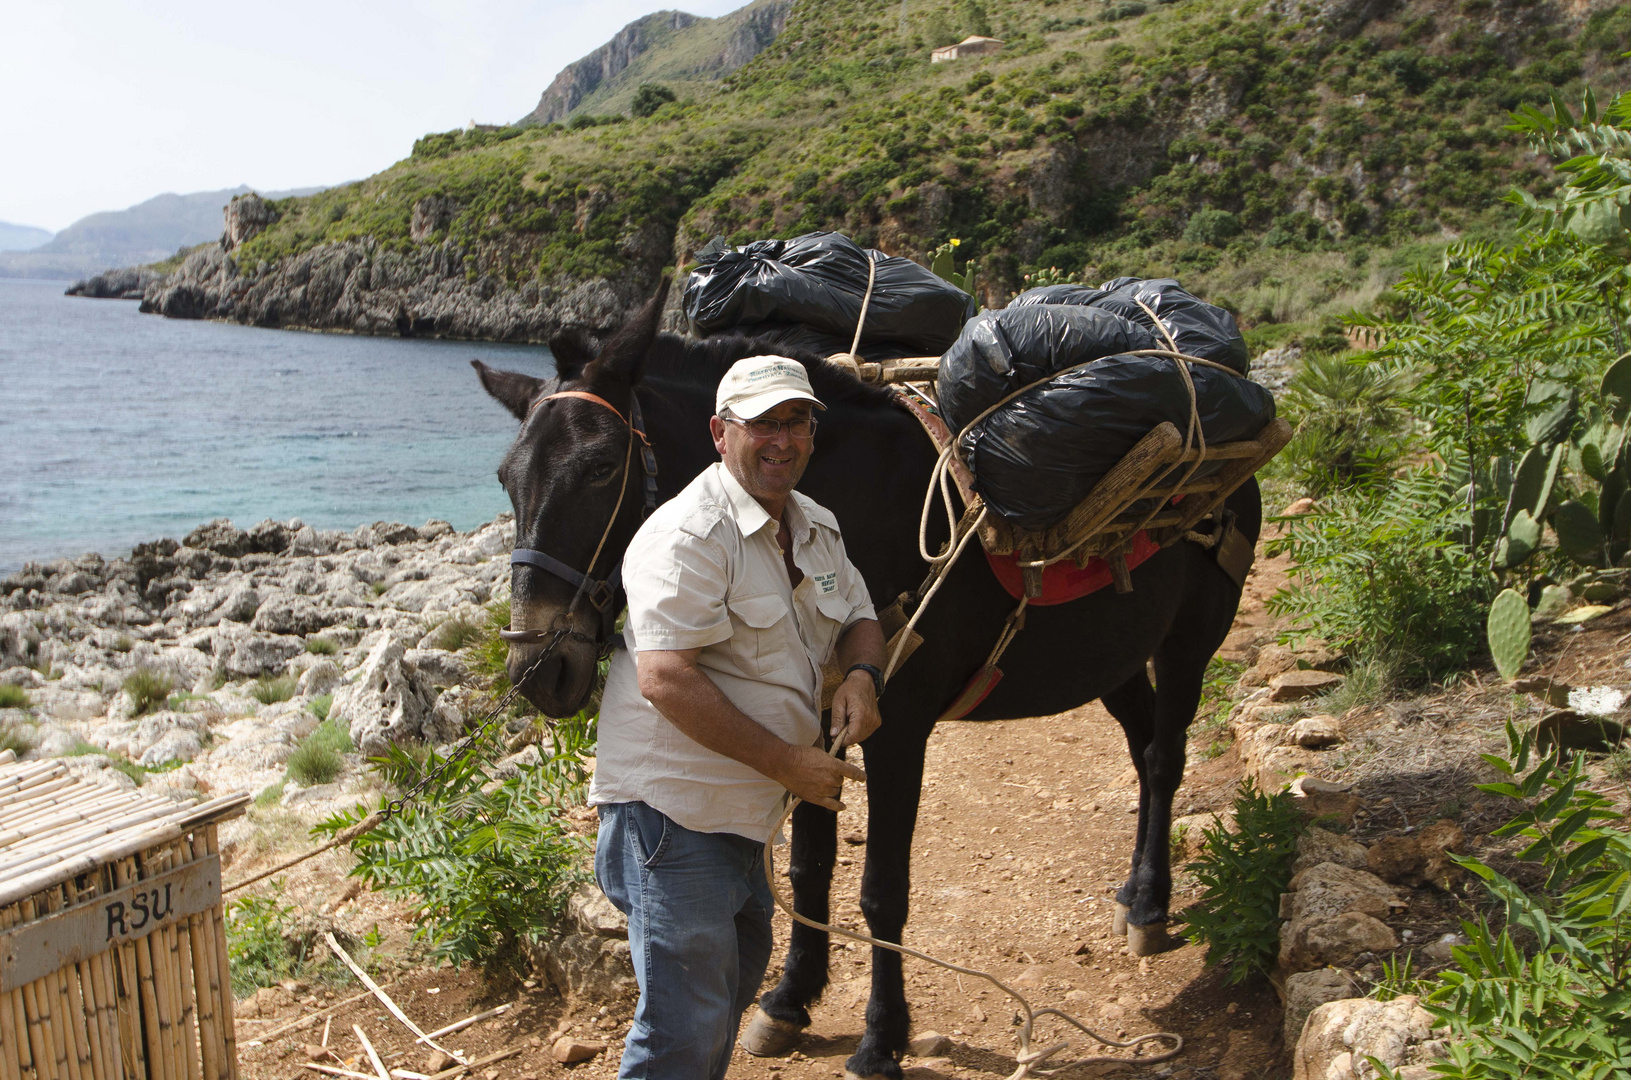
x,y
1024,834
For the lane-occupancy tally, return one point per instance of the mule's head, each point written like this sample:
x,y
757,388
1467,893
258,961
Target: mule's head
x,y
576,486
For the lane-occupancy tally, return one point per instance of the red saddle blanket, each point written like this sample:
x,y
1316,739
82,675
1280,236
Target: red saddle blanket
x,y
1064,580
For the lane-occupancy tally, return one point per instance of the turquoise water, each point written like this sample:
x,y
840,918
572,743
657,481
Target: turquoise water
x,y
118,427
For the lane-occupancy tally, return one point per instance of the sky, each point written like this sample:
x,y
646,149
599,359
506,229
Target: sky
x,y
104,104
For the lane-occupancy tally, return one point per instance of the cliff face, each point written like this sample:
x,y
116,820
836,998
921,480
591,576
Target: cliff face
x,y
583,77
362,286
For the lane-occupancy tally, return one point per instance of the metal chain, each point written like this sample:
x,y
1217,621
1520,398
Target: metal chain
x,y
470,741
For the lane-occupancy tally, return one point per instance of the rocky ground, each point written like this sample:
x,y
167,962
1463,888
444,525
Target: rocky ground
x,y
200,665
1023,835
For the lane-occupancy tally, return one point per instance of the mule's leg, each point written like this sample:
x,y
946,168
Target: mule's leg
x,y
810,865
1180,668
1133,705
885,886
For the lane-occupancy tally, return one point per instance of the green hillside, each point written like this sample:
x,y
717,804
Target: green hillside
x,y
1286,156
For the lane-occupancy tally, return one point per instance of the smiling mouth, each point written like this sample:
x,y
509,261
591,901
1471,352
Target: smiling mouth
x,y
768,460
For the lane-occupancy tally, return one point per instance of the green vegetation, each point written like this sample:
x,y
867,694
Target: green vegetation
x,y
1335,160
148,689
458,633
266,943
1242,871
488,864
322,646
321,705
13,696
271,689
1351,424
18,738
1546,995
317,759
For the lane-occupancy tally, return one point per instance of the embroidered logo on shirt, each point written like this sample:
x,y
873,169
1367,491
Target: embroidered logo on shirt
x,y
826,582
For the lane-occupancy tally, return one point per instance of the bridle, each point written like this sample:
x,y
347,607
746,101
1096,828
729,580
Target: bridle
x,y
601,593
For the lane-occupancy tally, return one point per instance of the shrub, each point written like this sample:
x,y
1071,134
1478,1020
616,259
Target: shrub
x,y
487,864
1351,424
1243,871
1383,574
649,98
455,634
18,738
1212,227
321,705
317,759
13,696
1545,997
270,689
148,689
322,646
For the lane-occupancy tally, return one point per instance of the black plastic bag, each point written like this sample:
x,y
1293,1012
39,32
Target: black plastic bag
x,y
819,280
789,337
1060,294
1001,351
1040,454
1199,329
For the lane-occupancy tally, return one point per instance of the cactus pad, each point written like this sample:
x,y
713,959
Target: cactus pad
x,y
1522,538
1508,631
1578,534
1617,388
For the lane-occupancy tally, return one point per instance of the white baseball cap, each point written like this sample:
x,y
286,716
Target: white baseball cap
x,y
754,386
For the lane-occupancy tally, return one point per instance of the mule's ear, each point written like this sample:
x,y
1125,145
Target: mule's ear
x,y
514,390
573,350
623,357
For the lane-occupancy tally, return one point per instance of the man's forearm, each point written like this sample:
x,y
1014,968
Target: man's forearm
x,y
862,643
691,701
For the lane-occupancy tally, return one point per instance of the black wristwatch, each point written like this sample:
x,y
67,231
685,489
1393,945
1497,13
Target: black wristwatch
x,y
877,676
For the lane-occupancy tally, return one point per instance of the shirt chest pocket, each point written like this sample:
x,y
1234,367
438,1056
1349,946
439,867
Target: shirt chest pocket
x,y
759,632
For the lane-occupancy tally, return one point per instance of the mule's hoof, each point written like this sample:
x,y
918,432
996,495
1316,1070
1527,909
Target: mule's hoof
x,y
1149,940
1118,924
766,1036
869,1076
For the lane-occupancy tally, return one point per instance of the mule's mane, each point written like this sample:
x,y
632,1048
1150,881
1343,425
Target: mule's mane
x,y
703,362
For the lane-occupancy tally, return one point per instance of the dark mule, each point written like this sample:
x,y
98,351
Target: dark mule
x,y
870,466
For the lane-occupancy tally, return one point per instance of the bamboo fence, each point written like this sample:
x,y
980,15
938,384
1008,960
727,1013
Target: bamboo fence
x,y
113,958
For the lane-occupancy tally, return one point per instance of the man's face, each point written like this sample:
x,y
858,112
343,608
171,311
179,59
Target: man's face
x,y
766,468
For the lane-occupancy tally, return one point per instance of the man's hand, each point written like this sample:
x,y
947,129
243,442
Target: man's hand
x,y
815,776
855,709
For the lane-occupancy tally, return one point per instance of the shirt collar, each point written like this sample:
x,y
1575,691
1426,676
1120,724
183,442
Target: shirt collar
x,y
751,517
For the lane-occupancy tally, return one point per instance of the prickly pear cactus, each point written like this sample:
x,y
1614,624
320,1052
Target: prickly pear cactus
x,y
1578,534
1616,388
1522,538
1508,631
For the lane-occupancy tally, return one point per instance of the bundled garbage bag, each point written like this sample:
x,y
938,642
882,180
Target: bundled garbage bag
x,y
1199,329
1058,294
1037,456
789,337
819,280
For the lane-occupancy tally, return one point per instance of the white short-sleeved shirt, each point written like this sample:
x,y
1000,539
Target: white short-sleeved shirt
x,y
705,571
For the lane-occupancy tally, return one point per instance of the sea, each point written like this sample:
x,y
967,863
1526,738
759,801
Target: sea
x,y
118,427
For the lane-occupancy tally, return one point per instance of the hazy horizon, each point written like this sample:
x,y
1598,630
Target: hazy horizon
x,y
124,105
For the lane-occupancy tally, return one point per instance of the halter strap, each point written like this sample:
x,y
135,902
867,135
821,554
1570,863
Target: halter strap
x,y
598,400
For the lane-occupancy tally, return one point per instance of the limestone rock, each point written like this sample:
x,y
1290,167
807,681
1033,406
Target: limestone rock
x,y
586,966
569,1051
221,537
320,678
595,914
1192,828
1318,800
441,668
1398,859
1297,685
1340,1038
1316,732
1306,991
1328,890
1312,942
244,654
929,1044
286,613
382,705
1421,859
1321,846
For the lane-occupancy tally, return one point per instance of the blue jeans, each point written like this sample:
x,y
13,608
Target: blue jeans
x,y
699,934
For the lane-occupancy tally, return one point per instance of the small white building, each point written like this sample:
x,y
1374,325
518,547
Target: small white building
x,y
973,45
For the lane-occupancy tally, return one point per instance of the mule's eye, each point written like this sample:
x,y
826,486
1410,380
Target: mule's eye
x,y
602,472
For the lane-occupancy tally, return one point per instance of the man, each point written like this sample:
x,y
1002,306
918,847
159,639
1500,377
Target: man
x,y
739,590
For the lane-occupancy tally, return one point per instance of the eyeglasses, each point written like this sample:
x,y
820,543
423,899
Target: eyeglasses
x,y
763,427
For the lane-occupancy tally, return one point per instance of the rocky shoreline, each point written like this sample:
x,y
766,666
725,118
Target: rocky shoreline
x,y
199,665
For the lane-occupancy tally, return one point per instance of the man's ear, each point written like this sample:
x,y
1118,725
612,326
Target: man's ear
x,y
573,350
716,428
623,357
513,390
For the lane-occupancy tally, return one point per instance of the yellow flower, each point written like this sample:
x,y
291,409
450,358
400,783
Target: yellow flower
x,y
955,242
